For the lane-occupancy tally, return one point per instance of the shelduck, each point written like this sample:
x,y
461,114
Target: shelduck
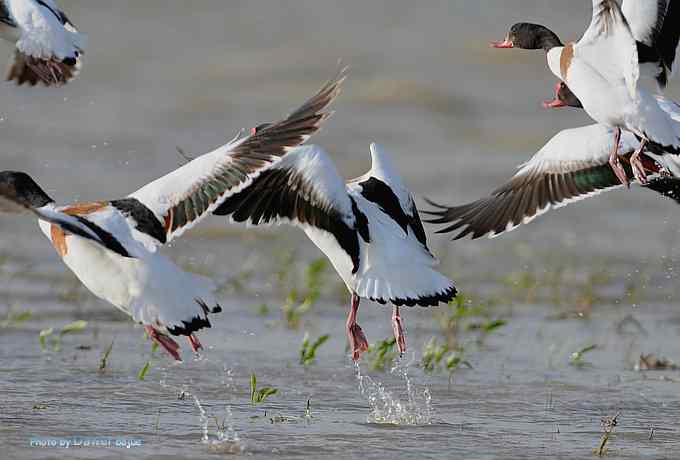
x,y
112,246
368,227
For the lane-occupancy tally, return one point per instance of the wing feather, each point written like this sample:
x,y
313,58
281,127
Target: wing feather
x,y
572,166
184,197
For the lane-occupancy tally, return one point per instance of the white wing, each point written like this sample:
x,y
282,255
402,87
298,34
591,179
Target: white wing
x,y
184,197
304,189
572,166
645,18
609,46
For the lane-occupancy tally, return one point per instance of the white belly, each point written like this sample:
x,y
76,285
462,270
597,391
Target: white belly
x,y
107,275
339,259
152,289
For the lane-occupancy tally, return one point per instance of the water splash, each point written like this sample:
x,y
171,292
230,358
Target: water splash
x,y
386,408
227,440
204,419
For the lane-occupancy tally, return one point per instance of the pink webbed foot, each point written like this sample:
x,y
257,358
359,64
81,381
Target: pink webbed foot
x,y
357,340
398,329
614,161
194,342
636,163
356,337
165,342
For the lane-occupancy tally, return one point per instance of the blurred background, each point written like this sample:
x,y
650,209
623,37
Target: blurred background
x,y
457,117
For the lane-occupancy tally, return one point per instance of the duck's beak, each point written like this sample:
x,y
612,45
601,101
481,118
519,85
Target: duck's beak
x,y
507,43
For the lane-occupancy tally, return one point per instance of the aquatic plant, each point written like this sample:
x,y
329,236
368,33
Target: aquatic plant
x,y
433,353
441,356
453,362
308,349
259,395
576,358
103,361
147,365
142,372
381,353
299,301
42,337
55,340
308,409
15,318
607,424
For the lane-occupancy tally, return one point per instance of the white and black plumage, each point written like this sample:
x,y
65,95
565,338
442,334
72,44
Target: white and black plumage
x,y
626,55
368,228
49,48
112,246
572,166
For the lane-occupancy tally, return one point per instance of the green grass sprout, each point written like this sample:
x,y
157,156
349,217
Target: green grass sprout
x,y
576,358
308,349
104,360
382,353
258,396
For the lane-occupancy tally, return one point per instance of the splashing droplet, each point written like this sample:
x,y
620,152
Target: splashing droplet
x,y
386,408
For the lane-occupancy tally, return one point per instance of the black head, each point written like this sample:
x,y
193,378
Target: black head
x,y
529,36
21,187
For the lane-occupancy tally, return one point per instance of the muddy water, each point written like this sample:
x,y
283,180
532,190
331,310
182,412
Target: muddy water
x,y
457,118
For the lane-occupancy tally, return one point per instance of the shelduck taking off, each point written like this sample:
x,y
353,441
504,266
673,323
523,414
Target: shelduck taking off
x,y
571,167
368,228
624,58
112,246
48,46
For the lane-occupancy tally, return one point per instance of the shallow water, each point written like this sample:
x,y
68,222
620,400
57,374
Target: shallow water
x,y
457,118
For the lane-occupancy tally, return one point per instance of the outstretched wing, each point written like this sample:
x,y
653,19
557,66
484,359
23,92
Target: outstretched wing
x,y
304,189
184,197
572,166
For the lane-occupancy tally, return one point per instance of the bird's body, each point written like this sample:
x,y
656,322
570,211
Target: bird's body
x,y
368,228
48,46
148,287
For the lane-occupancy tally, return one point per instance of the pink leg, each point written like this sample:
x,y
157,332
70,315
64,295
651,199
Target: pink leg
x,y
194,342
614,160
636,163
357,339
164,341
398,331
